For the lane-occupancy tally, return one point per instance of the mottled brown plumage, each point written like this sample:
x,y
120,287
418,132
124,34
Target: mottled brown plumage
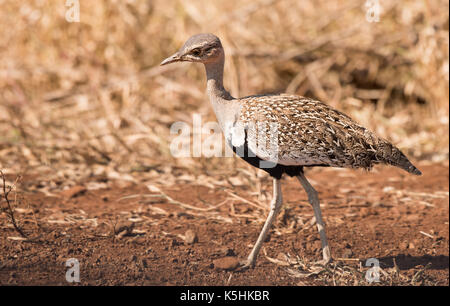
x,y
312,133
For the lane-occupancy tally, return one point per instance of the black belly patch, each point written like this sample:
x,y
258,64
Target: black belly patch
x,y
276,171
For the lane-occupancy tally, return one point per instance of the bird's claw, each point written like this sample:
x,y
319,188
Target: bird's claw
x,y
246,264
323,262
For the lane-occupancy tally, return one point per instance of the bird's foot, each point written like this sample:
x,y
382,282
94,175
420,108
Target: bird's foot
x,y
323,262
246,264
327,259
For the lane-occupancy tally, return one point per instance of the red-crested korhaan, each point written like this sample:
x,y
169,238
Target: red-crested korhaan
x,y
282,134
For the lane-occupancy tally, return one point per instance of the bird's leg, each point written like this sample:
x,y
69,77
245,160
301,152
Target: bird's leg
x,y
275,206
314,201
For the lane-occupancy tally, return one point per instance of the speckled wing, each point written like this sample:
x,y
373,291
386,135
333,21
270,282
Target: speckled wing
x,y
312,133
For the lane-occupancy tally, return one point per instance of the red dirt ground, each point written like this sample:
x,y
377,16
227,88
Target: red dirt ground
x,y
386,214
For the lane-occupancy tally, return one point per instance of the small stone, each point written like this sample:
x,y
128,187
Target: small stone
x,y
138,240
225,251
179,214
190,237
144,263
124,228
403,245
73,191
348,253
226,263
123,184
411,246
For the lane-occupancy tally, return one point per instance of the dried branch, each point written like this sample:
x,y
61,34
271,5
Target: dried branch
x,y
9,209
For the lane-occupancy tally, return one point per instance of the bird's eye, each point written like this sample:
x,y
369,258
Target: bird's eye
x,y
196,52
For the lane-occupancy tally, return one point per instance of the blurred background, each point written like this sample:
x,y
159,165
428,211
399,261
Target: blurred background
x,y
89,98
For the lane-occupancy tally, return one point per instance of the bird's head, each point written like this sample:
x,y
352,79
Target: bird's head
x,y
202,48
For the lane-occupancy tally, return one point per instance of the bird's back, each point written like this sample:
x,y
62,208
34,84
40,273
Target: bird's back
x,y
310,132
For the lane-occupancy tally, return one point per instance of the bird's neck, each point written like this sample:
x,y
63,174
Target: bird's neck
x,y
225,107
214,74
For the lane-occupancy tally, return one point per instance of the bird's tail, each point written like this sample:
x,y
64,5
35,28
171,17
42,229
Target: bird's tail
x,y
389,154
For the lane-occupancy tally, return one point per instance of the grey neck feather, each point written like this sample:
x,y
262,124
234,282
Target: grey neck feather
x,y
226,107
214,75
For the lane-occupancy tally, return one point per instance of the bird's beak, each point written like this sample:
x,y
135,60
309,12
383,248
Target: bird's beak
x,y
172,59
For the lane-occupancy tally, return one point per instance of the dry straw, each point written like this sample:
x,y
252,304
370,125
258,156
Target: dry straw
x,y
80,99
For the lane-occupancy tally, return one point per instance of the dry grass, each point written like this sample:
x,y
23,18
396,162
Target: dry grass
x,y
89,99
350,273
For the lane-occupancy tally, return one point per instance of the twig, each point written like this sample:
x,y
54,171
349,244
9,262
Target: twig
x,y
187,206
244,200
9,208
426,234
419,273
347,259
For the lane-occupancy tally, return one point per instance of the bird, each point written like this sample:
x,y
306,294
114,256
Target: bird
x,y
283,133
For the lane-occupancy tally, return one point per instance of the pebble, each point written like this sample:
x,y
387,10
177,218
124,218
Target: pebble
x,y
403,245
73,191
124,228
190,237
226,263
225,251
348,253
